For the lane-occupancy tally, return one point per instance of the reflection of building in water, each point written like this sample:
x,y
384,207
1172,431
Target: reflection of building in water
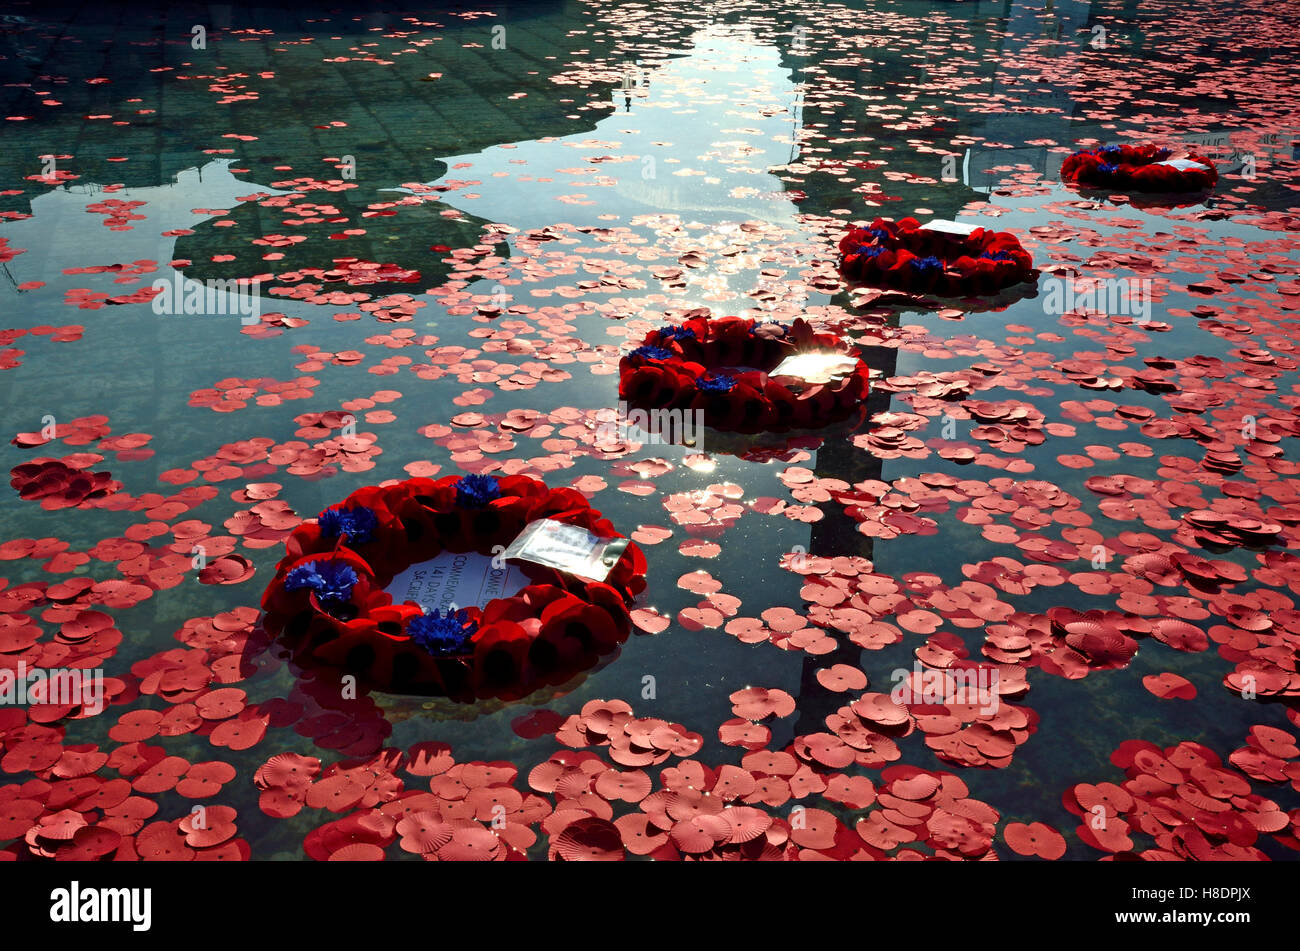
x,y
1044,106
1069,26
1024,108
1243,151
1044,111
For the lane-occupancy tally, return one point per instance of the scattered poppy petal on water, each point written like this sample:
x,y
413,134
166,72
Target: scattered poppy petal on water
x,y
1169,686
1036,838
842,677
590,840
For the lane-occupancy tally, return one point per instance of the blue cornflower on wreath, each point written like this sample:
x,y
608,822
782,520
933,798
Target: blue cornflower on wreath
x,y
357,523
332,581
443,635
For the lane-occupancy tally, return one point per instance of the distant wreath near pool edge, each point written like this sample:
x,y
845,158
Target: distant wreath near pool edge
x,y
908,256
327,600
1143,168
723,367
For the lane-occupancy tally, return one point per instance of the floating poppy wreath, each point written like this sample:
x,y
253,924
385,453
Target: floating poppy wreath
x,y
937,258
744,375
1144,168
328,596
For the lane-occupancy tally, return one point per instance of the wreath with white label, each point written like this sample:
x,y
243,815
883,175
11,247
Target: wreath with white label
x,y
1143,168
468,587
940,257
742,375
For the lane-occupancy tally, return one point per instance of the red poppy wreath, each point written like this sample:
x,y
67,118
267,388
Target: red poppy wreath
x,y
1143,168
940,257
745,376
432,539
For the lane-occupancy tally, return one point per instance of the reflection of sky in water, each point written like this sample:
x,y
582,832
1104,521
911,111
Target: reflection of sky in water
x,y
56,238
688,147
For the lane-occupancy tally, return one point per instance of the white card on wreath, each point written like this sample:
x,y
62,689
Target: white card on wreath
x,y
568,548
456,580
815,366
957,229
1184,165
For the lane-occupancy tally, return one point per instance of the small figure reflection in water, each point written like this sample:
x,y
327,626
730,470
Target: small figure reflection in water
x,y
630,84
